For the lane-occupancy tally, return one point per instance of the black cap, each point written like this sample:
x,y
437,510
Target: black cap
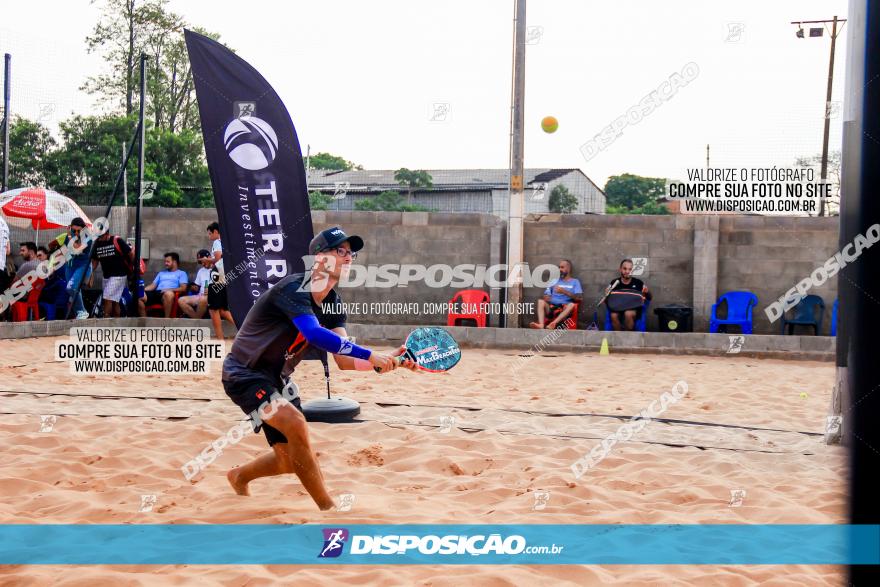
x,y
333,237
203,253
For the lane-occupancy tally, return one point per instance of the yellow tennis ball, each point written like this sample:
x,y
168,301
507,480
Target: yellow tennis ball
x,y
804,395
549,124
672,325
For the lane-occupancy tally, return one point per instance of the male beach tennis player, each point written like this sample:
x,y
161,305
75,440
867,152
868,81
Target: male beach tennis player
x,y
284,324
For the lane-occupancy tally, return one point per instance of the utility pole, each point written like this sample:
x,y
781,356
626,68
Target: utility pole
x,y
124,179
515,207
7,91
800,34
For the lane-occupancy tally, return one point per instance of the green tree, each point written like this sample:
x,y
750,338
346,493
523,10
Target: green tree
x,y
89,161
120,35
388,202
562,201
175,162
634,194
331,162
128,28
90,156
30,148
319,201
412,180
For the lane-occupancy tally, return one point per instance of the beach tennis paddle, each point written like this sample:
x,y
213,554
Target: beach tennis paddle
x,y
433,350
621,301
607,291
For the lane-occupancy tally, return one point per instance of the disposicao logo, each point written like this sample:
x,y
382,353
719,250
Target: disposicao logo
x,y
334,540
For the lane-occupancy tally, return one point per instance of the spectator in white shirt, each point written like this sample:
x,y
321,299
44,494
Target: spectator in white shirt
x,y
195,305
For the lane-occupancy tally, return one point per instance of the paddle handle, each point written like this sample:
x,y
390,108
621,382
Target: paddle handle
x,y
399,360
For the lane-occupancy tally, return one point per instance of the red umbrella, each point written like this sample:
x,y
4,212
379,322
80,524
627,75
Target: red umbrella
x,y
39,208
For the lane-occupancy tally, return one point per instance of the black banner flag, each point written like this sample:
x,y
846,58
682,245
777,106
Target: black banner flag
x,y
256,171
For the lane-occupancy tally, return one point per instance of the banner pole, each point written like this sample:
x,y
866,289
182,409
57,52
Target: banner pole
x,y
136,274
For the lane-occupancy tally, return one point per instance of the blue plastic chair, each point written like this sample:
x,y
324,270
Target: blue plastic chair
x,y
834,318
641,323
805,314
739,311
127,305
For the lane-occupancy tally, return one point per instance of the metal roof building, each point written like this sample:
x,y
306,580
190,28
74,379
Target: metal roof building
x,y
462,190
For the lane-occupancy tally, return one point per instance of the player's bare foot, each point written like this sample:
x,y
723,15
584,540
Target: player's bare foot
x,y
239,487
536,326
553,325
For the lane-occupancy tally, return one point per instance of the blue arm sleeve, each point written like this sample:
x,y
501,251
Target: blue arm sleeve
x,y
327,340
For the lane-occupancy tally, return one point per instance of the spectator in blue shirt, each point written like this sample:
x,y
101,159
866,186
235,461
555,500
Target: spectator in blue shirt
x,y
166,284
559,299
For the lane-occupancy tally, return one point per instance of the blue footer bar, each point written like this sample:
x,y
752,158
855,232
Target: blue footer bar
x,y
373,544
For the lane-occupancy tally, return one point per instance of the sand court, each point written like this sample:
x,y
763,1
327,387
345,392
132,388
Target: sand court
x,y
492,441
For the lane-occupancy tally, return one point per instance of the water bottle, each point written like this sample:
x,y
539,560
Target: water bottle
x,y
140,288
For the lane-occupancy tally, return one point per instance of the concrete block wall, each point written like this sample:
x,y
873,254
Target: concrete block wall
x,y
768,255
597,244
415,238
691,259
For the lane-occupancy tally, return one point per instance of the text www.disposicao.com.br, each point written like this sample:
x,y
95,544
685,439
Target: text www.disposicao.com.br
x,y
122,366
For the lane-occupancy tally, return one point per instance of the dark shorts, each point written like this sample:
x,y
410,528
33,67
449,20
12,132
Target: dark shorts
x,y
217,297
250,394
153,297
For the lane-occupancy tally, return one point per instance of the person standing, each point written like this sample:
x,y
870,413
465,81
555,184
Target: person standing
x,y
117,260
7,268
285,323
5,249
77,268
218,303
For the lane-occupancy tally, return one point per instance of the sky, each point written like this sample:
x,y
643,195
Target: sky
x,y
362,79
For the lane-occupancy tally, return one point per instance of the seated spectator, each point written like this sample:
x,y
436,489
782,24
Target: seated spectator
x,y
624,293
167,282
28,252
559,299
55,283
117,260
195,305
